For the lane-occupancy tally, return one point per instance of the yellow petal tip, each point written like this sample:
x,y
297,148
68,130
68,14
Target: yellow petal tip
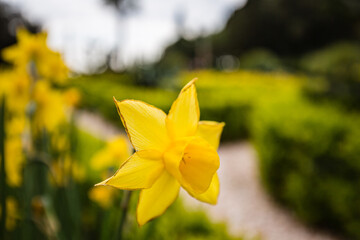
x,y
100,184
140,224
103,183
189,84
213,202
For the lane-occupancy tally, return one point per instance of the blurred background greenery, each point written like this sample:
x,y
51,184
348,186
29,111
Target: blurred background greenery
x,y
284,75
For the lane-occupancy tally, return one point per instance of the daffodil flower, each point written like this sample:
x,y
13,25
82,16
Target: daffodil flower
x,y
172,151
33,48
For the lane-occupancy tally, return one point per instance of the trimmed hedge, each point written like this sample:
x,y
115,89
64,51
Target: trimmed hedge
x,y
338,68
227,97
310,162
341,59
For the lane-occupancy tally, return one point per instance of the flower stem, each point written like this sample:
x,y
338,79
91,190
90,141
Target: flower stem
x,y
124,207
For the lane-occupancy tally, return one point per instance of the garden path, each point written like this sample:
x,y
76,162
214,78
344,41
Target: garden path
x,y
243,204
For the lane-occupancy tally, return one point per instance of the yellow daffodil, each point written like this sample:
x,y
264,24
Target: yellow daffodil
x,y
53,68
103,196
50,110
172,151
72,97
12,213
64,169
32,48
15,86
113,155
14,161
16,126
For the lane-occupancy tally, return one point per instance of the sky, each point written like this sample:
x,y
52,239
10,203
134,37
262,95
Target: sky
x,y
84,30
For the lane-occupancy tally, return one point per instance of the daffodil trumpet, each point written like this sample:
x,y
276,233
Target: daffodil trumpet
x,y
171,151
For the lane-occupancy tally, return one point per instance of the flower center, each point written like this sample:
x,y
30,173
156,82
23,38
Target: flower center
x,y
193,162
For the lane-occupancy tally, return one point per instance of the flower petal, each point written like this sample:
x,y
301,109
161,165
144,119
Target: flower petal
x,y
193,163
154,201
198,165
145,124
184,113
210,131
136,173
211,195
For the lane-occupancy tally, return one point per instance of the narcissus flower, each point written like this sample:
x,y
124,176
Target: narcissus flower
x,y
12,214
172,151
103,196
113,155
50,109
33,48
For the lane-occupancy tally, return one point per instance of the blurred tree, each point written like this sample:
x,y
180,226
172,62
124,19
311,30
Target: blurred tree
x,y
289,27
123,8
260,59
286,28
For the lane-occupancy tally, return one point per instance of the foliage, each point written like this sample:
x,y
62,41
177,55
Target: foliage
x,y
337,67
227,97
337,59
292,29
180,223
98,91
309,158
261,60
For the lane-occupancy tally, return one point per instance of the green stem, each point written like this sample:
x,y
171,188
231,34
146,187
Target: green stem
x,y
124,210
71,193
2,169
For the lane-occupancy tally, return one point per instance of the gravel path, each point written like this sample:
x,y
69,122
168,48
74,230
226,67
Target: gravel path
x,y
243,203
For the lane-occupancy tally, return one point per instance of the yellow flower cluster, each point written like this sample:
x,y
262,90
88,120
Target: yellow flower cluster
x,y
33,104
49,112
13,88
111,157
102,195
32,48
12,213
65,168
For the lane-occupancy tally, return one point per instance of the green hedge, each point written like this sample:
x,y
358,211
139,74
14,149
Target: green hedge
x,y
338,69
341,58
310,162
227,97
97,95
